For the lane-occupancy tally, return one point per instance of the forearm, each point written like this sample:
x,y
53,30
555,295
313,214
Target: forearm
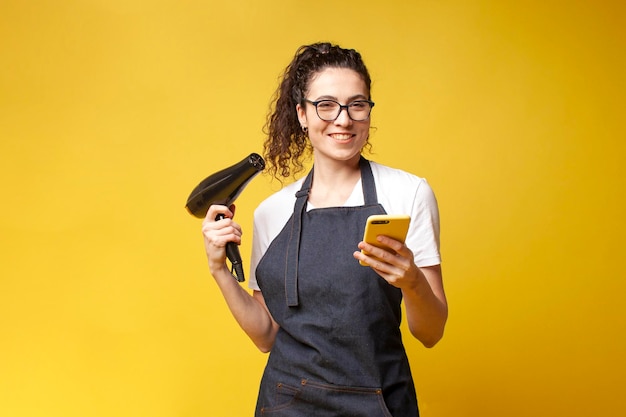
x,y
249,311
426,306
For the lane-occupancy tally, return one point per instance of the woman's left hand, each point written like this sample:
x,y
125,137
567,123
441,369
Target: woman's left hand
x,y
422,288
394,263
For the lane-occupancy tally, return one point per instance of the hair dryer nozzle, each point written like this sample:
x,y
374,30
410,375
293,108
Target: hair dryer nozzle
x,y
224,186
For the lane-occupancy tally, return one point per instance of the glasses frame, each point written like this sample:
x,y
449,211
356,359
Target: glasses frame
x,y
341,108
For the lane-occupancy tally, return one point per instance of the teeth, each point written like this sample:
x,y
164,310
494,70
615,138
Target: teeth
x,y
341,136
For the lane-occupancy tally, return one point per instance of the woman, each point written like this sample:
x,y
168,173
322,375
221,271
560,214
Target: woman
x,y
332,325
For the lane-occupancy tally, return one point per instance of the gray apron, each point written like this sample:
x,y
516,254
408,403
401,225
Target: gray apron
x,y
338,351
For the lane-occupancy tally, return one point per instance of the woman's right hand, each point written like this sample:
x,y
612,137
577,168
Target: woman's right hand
x,y
217,233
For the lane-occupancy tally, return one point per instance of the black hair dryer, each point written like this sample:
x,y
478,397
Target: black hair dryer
x,y
223,188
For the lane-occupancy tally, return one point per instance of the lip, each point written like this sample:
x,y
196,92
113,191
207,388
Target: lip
x,y
341,136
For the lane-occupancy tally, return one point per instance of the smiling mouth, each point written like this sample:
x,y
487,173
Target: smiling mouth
x,y
341,136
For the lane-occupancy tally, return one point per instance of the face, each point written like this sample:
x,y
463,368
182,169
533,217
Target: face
x,y
343,138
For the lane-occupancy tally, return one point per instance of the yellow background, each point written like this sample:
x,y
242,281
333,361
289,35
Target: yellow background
x,y
111,111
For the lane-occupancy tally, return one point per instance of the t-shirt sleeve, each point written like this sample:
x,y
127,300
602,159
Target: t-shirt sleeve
x,y
259,245
423,237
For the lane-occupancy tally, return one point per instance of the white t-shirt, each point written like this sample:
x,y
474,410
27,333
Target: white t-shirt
x,y
398,192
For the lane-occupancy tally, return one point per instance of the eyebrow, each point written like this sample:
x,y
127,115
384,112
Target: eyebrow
x,y
350,99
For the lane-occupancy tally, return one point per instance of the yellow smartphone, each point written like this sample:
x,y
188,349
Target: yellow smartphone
x,y
396,226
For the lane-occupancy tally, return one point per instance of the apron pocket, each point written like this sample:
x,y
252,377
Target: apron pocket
x,y
326,400
284,397
340,400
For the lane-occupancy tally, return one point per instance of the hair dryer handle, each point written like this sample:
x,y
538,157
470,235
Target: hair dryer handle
x,y
234,256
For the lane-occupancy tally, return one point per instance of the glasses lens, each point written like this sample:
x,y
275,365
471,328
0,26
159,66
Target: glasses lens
x,y
328,110
359,110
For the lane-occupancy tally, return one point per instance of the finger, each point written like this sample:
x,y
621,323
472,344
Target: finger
x,y
397,246
217,209
386,256
385,270
220,238
225,227
371,259
375,251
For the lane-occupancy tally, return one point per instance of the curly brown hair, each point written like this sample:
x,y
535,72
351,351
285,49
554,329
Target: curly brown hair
x,y
286,144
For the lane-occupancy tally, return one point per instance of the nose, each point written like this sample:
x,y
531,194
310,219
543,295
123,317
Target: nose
x,y
343,118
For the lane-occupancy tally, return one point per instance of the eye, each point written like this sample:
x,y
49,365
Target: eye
x,y
326,104
359,105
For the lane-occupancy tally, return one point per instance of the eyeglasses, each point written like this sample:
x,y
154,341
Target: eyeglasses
x,y
329,110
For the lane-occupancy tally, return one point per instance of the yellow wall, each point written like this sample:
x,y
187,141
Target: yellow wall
x,y
112,110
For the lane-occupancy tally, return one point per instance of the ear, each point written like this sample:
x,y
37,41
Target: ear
x,y
301,115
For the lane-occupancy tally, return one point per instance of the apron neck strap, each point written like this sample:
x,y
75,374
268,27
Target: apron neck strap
x,y
367,181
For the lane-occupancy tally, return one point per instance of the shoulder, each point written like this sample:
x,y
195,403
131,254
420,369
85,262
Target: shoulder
x,y
279,204
389,176
395,185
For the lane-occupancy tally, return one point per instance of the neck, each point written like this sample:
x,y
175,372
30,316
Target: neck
x,y
333,182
